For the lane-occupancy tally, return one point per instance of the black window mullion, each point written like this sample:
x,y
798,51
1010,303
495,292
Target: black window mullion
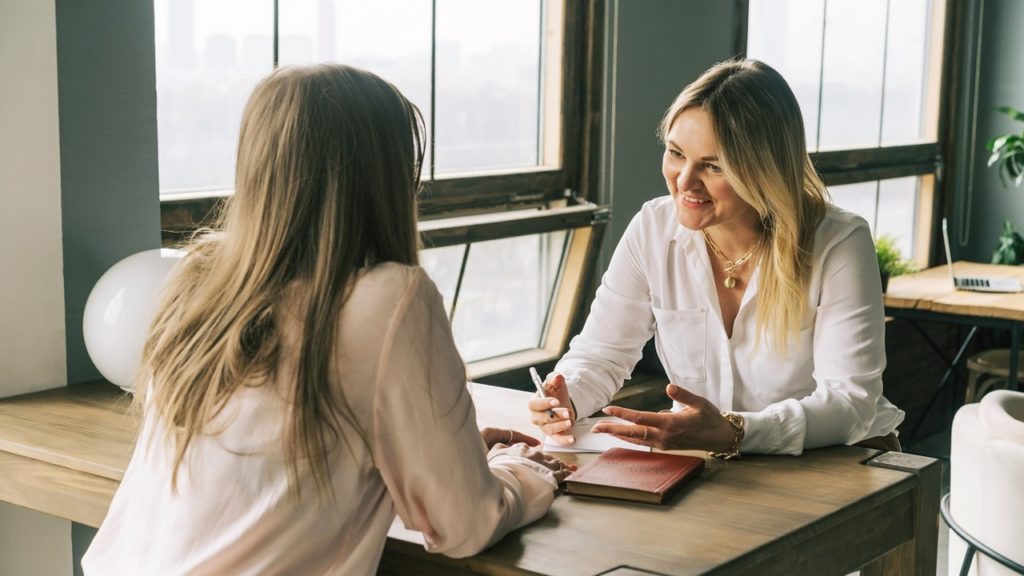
x,y
433,90
277,36
540,84
821,76
885,66
458,283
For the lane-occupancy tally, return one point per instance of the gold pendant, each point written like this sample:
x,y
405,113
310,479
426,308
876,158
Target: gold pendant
x,y
729,282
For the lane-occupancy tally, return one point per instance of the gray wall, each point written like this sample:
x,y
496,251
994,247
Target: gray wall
x,y
110,196
980,200
109,190
653,48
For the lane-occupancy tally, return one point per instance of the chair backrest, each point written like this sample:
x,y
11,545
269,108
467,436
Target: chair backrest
x,y
986,479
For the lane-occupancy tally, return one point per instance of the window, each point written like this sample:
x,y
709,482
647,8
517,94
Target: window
x,y
512,286
492,96
867,74
503,213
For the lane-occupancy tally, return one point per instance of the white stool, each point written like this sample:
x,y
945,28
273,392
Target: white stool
x,y
986,472
990,369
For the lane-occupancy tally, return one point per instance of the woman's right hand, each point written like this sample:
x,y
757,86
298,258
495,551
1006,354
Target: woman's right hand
x,y
557,467
556,401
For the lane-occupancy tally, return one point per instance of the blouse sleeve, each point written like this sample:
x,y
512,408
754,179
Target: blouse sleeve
x,y
620,322
849,357
428,448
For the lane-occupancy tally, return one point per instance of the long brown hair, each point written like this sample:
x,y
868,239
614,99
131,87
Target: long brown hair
x,y
326,180
764,157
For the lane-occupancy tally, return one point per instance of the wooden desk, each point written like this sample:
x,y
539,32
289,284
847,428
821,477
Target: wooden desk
x,y
929,295
63,452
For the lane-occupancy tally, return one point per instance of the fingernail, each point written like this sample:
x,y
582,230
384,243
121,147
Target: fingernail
x,y
568,425
606,410
572,439
553,402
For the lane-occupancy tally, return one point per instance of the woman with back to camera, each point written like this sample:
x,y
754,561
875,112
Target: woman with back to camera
x,y
764,299
302,385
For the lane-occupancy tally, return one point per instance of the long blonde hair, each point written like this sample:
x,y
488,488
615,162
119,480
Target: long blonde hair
x,y
762,148
326,180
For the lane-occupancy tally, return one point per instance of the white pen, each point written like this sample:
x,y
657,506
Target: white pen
x,y
540,388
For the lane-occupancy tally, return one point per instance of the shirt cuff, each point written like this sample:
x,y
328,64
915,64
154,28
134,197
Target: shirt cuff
x,y
767,432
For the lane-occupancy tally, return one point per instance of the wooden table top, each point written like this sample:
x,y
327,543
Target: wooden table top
x,y
735,515
932,290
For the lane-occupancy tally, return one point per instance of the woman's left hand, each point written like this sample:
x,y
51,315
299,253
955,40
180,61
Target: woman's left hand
x,y
506,436
698,426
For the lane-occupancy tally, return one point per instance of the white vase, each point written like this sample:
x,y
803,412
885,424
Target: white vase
x,y
120,309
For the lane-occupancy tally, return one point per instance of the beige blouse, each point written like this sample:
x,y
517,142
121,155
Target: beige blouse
x,y
423,459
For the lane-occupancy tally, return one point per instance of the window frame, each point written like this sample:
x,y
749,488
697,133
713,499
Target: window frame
x,y
445,196
487,206
857,165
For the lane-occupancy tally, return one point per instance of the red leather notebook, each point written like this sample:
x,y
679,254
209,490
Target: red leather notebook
x,y
632,475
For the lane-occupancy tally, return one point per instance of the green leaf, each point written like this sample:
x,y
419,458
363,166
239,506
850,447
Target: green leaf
x,y
890,261
1012,113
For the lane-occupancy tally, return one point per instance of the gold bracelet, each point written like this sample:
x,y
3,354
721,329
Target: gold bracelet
x,y
736,421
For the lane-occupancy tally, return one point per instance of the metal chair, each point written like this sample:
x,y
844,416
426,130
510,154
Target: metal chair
x,y
988,370
973,544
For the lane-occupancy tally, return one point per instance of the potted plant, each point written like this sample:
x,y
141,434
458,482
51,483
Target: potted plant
x,y
1008,151
1011,246
890,261
1008,158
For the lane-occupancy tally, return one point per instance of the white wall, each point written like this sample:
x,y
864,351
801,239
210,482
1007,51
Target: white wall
x,y
32,349
32,338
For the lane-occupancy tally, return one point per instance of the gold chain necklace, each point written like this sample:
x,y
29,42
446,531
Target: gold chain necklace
x,y
730,265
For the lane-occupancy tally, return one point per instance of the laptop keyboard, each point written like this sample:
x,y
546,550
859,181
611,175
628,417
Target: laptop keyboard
x,y
968,282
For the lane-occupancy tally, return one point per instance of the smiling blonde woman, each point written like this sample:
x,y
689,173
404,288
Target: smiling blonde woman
x,y
764,300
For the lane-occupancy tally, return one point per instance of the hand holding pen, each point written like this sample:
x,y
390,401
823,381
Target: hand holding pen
x,y
552,410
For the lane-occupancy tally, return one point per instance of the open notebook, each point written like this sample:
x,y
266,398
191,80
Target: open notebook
x,y
977,283
587,441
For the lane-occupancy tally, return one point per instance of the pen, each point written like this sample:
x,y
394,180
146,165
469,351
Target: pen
x,y
540,388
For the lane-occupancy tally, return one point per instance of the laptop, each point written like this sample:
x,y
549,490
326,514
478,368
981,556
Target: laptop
x,y
977,283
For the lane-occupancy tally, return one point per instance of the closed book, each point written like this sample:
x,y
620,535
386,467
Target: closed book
x,y
631,475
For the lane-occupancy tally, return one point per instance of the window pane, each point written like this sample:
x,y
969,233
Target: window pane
x,y
903,114
860,198
871,59
209,56
487,85
390,38
506,293
889,206
851,93
442,265
897,209
786,35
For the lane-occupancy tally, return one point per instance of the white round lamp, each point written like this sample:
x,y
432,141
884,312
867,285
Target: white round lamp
x,y
120,309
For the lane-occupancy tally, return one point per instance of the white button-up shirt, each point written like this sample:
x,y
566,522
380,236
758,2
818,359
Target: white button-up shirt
x,y
827,390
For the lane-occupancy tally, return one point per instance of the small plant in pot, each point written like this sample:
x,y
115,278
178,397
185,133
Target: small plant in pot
x,y
1011,246
890,261
1008,151
1008,158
